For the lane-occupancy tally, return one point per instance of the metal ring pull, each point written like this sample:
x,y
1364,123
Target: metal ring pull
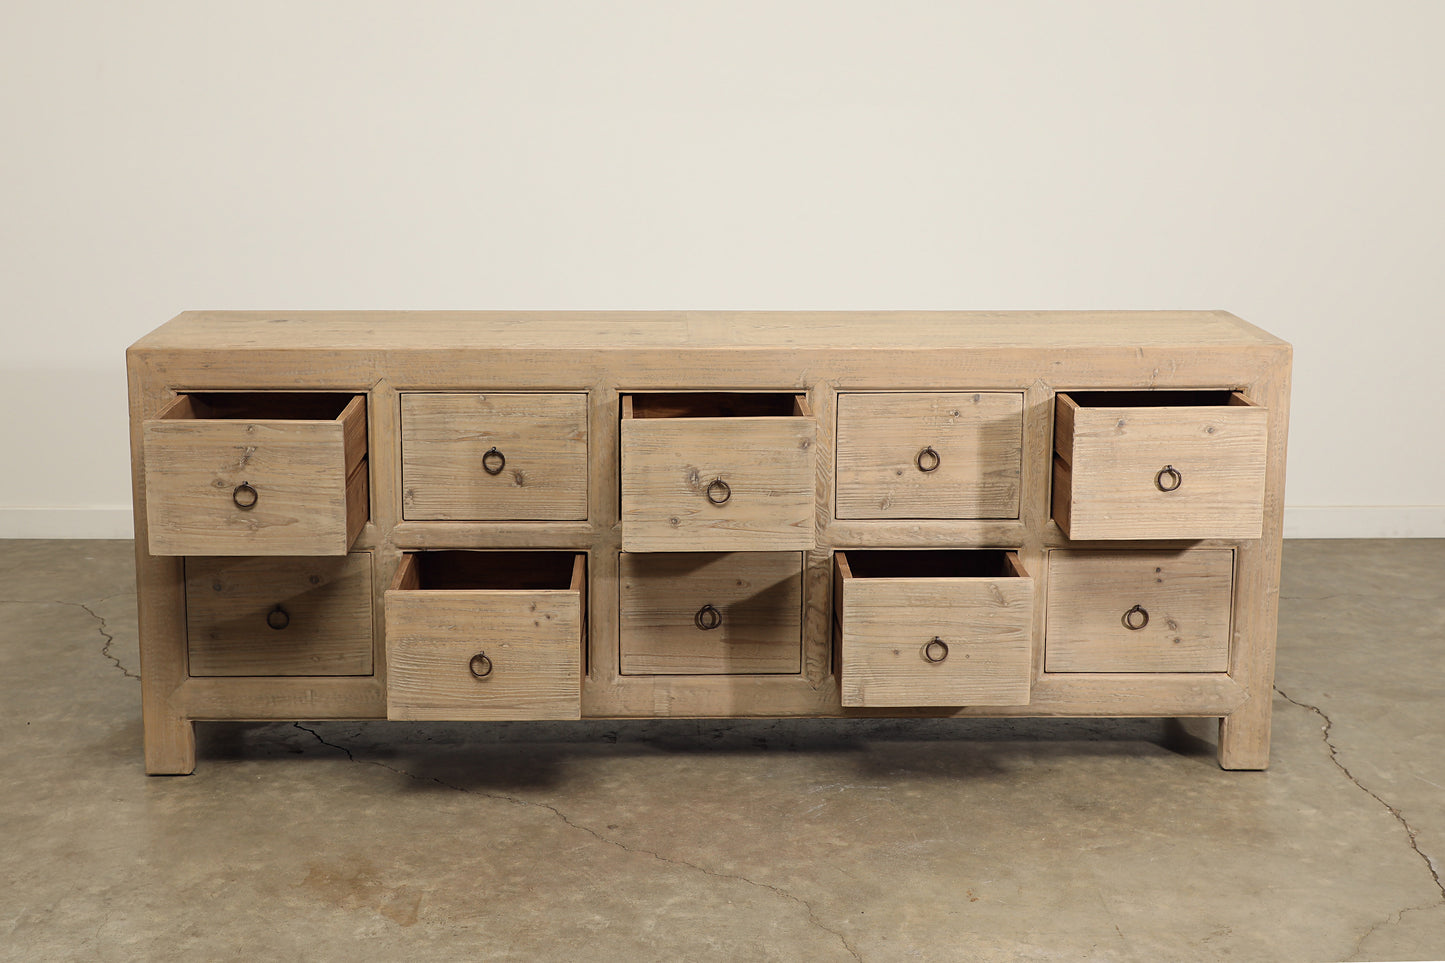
x,y
278,618
1173,477
1136,618
929,456
936,650
493,457
707,618
480,665
245,497
718,485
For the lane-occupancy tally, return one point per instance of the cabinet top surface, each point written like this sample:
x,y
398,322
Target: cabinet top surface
x,y
634,330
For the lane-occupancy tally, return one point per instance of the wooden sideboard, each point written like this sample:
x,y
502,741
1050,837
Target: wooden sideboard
x,y
582,515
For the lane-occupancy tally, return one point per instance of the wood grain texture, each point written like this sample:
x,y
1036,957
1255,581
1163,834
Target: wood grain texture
x,y
758,597
1244,733
1114,455
1186,595
767,464
977,437
620,332
887,624
541,435
611,355
299,470
281,698
170,740
533,638
326,606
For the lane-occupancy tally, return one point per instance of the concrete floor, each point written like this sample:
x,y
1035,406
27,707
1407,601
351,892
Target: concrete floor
x,y
808,841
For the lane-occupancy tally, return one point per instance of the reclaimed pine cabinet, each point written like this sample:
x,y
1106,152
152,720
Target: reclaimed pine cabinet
x,y
583,515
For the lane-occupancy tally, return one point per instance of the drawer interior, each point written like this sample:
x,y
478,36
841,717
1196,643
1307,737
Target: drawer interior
x,y
1158,399
899,614
465,571
259,406
923,563
715,404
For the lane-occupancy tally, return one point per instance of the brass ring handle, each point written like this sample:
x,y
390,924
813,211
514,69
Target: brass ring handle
x,y
707,618
1136,618
245,497
718,485
480,665
278,618
936,650
487,462
1174,479
931,457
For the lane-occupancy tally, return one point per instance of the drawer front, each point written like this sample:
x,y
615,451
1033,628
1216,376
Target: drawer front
x,y
485,654
238,486
721,484
929,454
1139,611
492,457
1171,471
279,616
711,614
933,641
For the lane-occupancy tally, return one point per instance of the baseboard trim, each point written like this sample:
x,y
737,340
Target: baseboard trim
x,y
1364,521
1300,521
84,521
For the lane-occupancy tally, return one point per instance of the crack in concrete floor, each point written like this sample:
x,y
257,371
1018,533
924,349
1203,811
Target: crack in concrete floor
x,y
1326,728
606,840
101,626
109,638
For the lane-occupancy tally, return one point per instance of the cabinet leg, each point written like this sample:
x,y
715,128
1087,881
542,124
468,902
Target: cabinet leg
x,y
1244,735
170,744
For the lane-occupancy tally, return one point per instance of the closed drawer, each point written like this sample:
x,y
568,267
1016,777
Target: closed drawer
x,y
485,635
1139,611
929,454
1158,464
933,628
256,473
487,457
711,614
279,616
717,471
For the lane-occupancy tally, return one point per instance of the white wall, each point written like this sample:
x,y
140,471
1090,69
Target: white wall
x,y
1282,160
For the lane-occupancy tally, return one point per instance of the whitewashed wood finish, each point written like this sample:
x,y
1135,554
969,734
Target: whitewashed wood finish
x,y
758,596
767,463
718,333
542,436
611,354
886,625
300,470
533,638
1185,593
327,606
1109,458
977,436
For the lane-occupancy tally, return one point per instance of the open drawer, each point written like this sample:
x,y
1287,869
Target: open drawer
x,y
1158,464
486,635
933,628
717,471
256,473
